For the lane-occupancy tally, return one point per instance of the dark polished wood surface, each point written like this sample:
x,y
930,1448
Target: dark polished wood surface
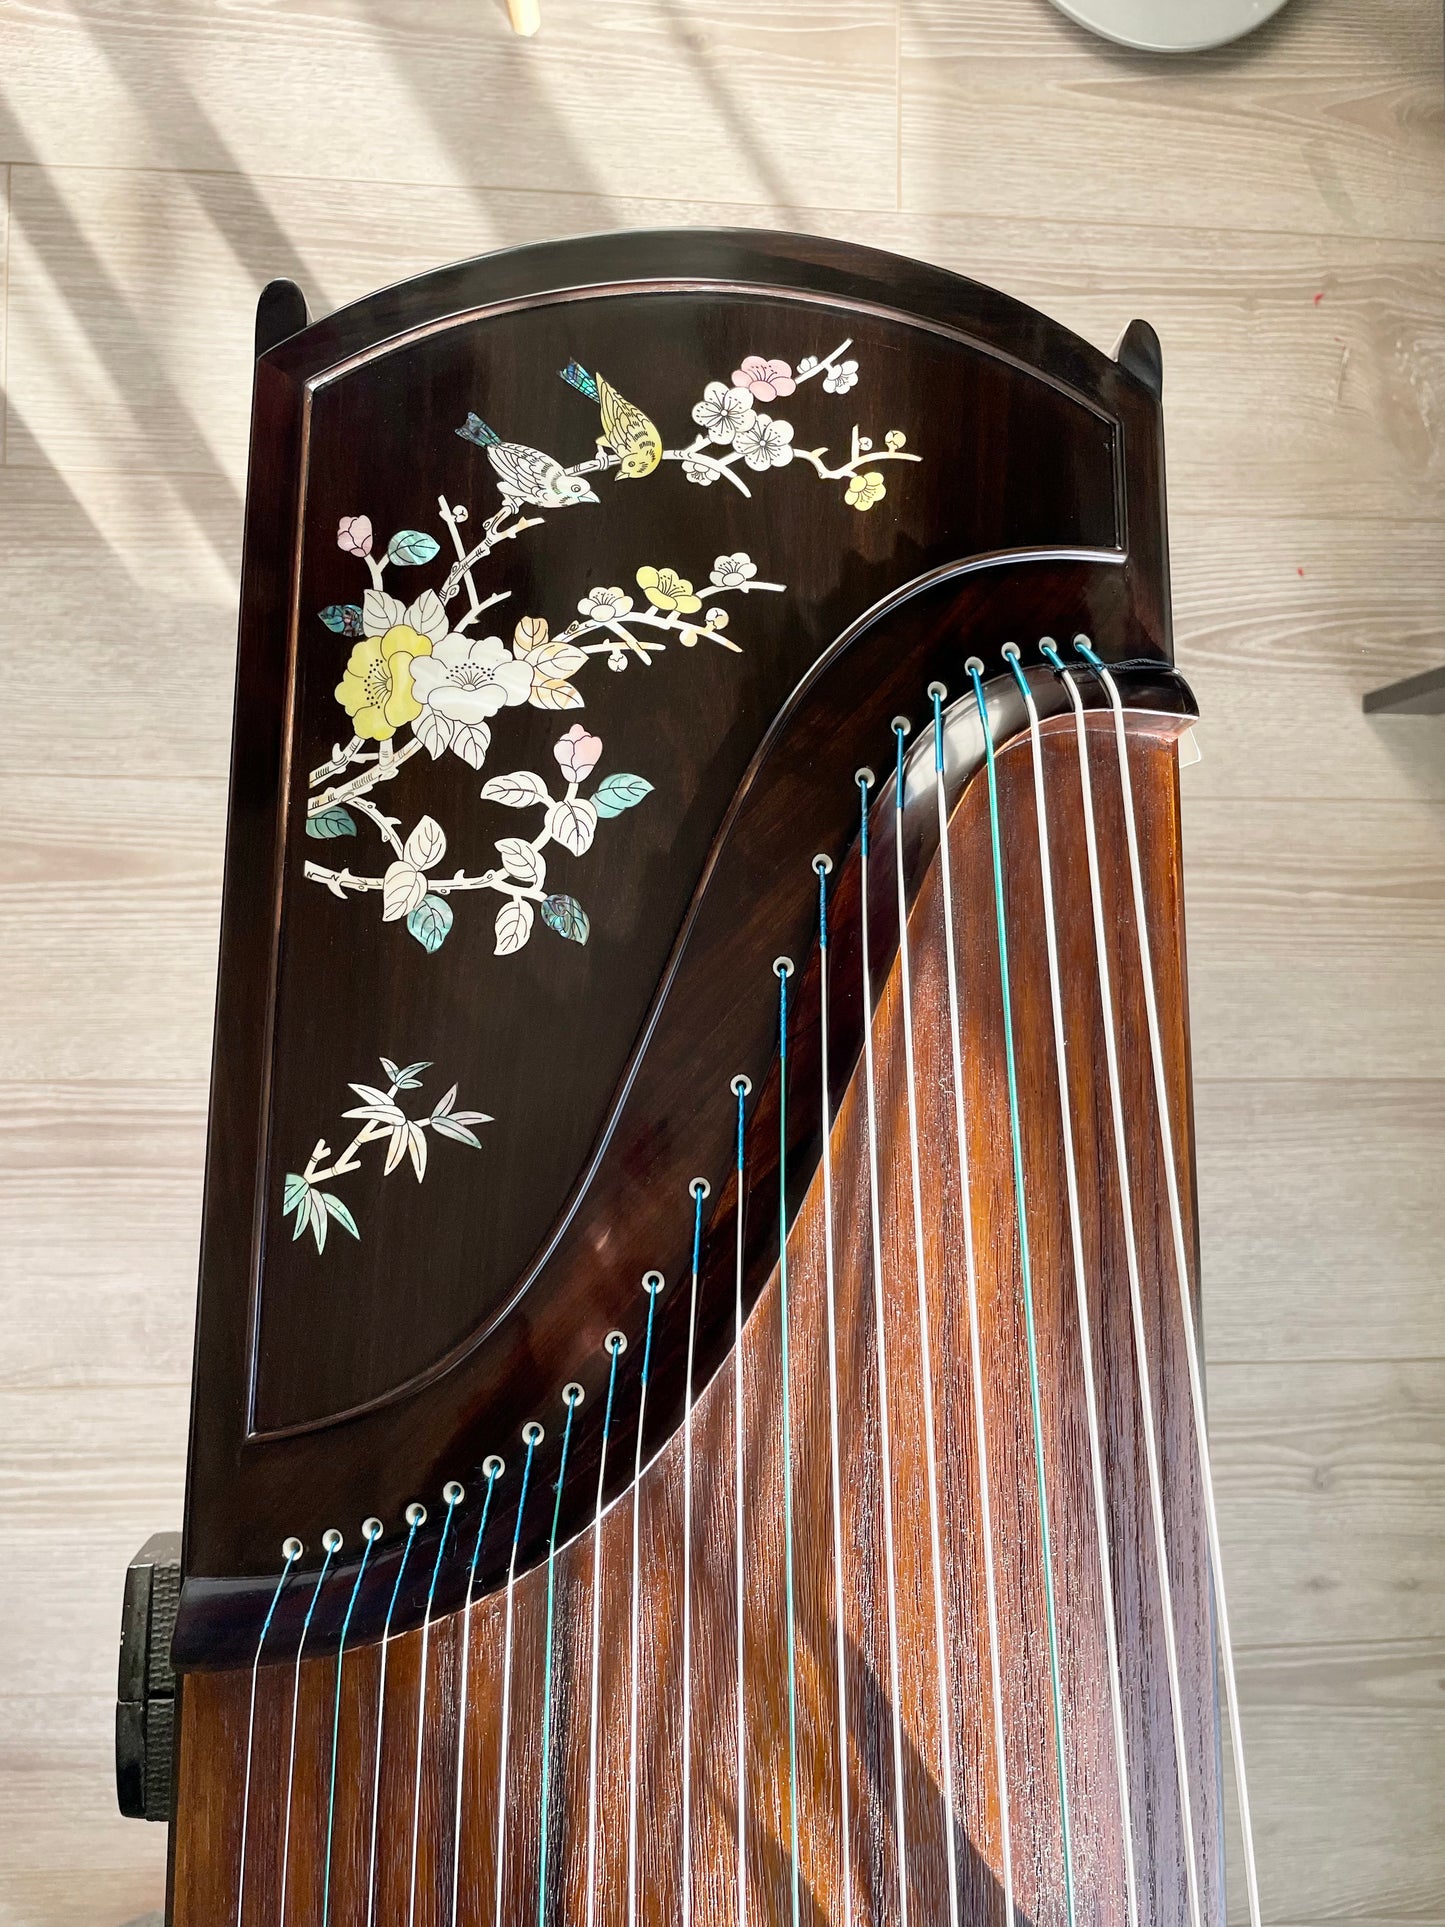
x,y
333,1385
215,1704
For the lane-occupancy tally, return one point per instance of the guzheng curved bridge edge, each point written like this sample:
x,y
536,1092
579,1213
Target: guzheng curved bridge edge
x,y
250,1483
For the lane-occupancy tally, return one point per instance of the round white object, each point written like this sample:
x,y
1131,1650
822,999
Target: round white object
x,y
1170,26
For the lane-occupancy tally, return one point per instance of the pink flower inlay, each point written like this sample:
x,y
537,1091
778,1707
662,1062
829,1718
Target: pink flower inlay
x,y
354,534
765,380
577,753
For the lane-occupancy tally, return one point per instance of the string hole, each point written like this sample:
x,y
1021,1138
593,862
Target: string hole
x,y
741,1085
864,778
901,726
416,1514
782,966
533,1433
937,692
371,1530
615,1342
974,665
699,1188
823,865
291,1549
493,1467
573,1394
1082,642
332,1540
453,1493
1010,652
653,1281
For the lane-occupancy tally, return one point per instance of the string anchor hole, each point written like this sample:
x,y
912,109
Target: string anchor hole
x,y
699,1188
1010,652
291,1550
974,665
332,1540
493,1467
533,1433
572,1393
937,692
615,1342
782,966
864,778
901,726
416,1514
823,865
371,1530
453,1493
741,1085
653,1282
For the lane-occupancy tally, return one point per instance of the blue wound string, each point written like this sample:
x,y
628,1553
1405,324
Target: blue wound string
x,y
415,1514
331,1541
452,1492
291,1551
784,970
493,1469
369,1539
1021,1212
532,1434
572,1394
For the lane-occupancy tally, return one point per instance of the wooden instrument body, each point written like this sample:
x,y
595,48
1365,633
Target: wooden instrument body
x,y
1036,509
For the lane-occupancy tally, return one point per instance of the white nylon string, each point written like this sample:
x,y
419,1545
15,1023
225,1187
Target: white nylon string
x,y
700,1190
844,1818
331,1540
532,1435
616,1343
415,1516
1136,1302
291,1551
492,1469
1081,1295
980,1428
1186,1308
940,1624
880,1321
632,1684
740,1086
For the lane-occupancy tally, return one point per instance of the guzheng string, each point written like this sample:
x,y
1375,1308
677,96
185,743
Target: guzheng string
x,y
652,1284
572,1396
370,1532
331,1544
532,1436
975,670
615,1344
452,1494
1136,1301
700,1189
925,1338
415,1519
740,1087
937,692
823,866
492,1470
783,966
1181,1271
291,1551
1081,1290
865,780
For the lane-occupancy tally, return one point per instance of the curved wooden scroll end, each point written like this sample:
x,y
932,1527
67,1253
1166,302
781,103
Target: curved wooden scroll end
x,y
1140,355
280,313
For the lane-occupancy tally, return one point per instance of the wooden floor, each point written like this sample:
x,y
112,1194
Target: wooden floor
x,y
1277,211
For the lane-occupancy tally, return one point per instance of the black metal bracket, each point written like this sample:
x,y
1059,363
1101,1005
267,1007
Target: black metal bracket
x,y
145,1710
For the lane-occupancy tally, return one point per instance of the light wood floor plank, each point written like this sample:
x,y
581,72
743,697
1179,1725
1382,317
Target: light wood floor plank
x,y
1325,121
1316,938
131,307
788,104
1322,1219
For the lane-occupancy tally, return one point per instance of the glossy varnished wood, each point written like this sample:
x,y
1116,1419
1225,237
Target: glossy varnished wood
x,y
215,1704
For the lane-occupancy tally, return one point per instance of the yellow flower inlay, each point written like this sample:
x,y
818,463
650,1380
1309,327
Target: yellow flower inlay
x,y
376,690
865,490
666,589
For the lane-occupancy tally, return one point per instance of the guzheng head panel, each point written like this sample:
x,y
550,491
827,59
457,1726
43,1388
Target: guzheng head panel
x,y
856,461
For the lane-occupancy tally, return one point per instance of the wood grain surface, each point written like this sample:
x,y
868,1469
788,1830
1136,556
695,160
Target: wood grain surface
x,y
160,164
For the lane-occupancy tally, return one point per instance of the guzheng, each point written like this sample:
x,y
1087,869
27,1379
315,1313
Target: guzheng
x,y
698,1412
